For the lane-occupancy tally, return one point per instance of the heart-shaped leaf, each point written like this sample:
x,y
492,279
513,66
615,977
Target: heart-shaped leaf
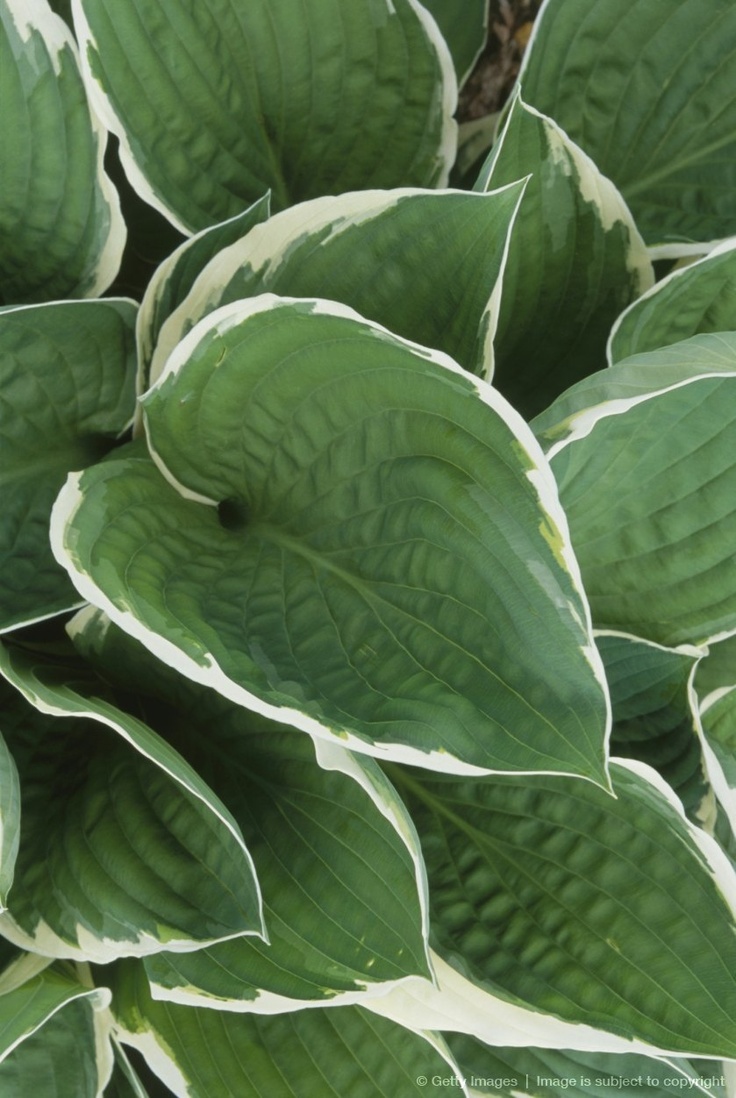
x,y
353,535
209,102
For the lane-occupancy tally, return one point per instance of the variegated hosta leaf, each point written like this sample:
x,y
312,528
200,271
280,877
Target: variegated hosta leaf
x,y
426,265
9,820
554,1073
61,232
576,259
209,100
124,1081
123,848
646,90
464,28
646,467
610,911
354,536
175,277
337,857
654,714
715,685
698,298
53,1034
67,375
200,1053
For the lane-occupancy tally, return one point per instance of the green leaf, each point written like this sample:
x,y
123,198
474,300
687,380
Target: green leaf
x,y
698,298
61,232
613,912
610,392
131,855
337,857
234,85
575,260
654,714
124,1081
53,1034
329,1051
426,265
715,684
551,1073
386,566
465,29
9,820
175,277
646,90
648,484
67,373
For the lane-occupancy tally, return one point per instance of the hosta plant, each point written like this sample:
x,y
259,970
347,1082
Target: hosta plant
x,y
368,593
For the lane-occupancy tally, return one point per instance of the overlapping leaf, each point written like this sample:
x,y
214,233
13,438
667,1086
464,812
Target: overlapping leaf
x,y
646,90
358,538
715,686
216,104
175,277
61,233
644,459
654,714
550,1073
338,863
67,375
576,259
9,820
698,298
53,1034
559,897
340,1050
123,848
426,265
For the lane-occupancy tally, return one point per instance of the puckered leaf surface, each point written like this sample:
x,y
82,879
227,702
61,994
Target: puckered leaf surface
x,y
610,911
336,1051
337,858
123,848
425,264
698,298
67,376
215,104
646,89
353,535
649,488
655,714
61,232
575,260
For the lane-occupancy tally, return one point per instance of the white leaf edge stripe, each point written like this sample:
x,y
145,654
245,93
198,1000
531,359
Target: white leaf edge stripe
x,y
45,941
206,670
36,17
106,112
723,248
364,771
157,286
595,188
99,999
458,1005
580,424
268,246
10,805
161,1059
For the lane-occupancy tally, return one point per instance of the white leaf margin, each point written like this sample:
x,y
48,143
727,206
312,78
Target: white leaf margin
x,y
90,947
721,248
35,17
205,669
268,246
457,1004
